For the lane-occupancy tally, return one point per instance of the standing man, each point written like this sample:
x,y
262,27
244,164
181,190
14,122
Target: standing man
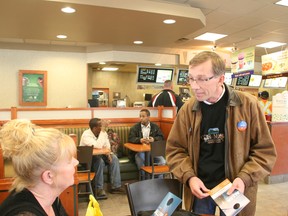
x,y
219,133
167,97
97,137
145,132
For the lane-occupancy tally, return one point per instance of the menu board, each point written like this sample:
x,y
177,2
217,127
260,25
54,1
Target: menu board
x,y
154,75
255,80
182,76
228,78
279,82
243,80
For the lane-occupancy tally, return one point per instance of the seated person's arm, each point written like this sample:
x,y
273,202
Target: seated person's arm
x,y
100,142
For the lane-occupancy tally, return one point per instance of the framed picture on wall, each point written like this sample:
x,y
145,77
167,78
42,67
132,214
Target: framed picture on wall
x,y
32,88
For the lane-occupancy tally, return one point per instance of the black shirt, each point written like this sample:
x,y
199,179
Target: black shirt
x,y
212,147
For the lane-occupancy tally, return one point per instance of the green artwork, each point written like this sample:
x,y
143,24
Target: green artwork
x,y
32,88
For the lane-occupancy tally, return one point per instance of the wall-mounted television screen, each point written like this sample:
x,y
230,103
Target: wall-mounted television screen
x,y
243,80
228,78
154,75
279,82
182,76
255,80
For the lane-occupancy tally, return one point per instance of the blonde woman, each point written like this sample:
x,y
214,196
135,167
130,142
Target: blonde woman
x,y
44,163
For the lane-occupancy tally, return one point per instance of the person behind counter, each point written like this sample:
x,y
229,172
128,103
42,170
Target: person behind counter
x,y
44,163
167,97
220,133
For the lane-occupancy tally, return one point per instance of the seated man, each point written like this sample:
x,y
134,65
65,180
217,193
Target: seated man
x,y
97,137
145,132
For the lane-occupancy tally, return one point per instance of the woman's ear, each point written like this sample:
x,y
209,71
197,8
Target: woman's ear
x,y
47,177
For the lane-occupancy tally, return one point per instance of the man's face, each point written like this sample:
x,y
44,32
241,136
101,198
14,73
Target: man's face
x,y
205,85
144,119
96,130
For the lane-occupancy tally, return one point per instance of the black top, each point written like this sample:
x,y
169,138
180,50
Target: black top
x,y
212,148
135,133
166,98
24,203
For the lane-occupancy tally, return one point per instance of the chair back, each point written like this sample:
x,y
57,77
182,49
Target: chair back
x,y
84,156
158,148
146,195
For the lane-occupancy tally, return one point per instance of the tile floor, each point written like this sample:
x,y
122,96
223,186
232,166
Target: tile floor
x,y
272,201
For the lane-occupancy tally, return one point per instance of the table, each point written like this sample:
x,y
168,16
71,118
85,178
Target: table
x,y
140,148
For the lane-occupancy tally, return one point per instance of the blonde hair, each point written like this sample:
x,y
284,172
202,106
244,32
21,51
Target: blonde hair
x,y
218,65
33,149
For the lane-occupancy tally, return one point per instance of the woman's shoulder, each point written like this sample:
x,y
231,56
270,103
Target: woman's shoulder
x,y
22,203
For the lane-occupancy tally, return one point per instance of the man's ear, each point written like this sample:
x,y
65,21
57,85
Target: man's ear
x,y
222,78
47,177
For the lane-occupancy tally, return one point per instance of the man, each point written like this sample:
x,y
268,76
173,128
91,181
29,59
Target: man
x,y
167,97
219,133
97,137
145,132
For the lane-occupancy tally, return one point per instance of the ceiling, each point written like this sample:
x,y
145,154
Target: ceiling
x,y
34,24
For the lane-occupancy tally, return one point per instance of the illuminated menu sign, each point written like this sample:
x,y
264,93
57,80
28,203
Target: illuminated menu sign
x,y
154,75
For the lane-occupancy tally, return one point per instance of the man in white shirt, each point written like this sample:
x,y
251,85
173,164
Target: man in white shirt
x,y
97,137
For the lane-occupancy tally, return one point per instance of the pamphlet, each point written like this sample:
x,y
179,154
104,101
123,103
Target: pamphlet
x,y
167,205
231,205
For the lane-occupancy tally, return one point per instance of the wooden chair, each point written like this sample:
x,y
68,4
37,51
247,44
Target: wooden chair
x,y
146,195
158,148
85,176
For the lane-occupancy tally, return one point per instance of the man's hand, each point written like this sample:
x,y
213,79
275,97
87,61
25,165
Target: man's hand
x,y
144,140
198,188
104,124
237,184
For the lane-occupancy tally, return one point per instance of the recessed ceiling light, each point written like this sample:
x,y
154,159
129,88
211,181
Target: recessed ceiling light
x,y
210,36
102,63
158,64
270,44
61,36
282,3
138,42
169,21
110,69
68,10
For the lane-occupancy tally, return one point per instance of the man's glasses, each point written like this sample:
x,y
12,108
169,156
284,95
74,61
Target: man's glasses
x,y
199,81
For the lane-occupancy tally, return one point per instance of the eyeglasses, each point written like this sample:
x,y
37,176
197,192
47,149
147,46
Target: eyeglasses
x,y
199,81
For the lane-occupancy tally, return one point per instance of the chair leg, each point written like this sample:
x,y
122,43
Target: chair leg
x,y
91,189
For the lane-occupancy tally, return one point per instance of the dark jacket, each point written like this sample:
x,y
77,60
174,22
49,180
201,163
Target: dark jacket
x,y
250,153
135,133
24,203
166,98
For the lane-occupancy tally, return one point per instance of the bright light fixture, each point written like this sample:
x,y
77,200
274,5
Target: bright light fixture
x,y
138,42
158,64
61,36
102,63
169,21
68,10
210,36
110,69
282,3
270,44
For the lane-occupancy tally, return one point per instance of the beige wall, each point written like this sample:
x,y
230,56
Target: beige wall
x,y
66,71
